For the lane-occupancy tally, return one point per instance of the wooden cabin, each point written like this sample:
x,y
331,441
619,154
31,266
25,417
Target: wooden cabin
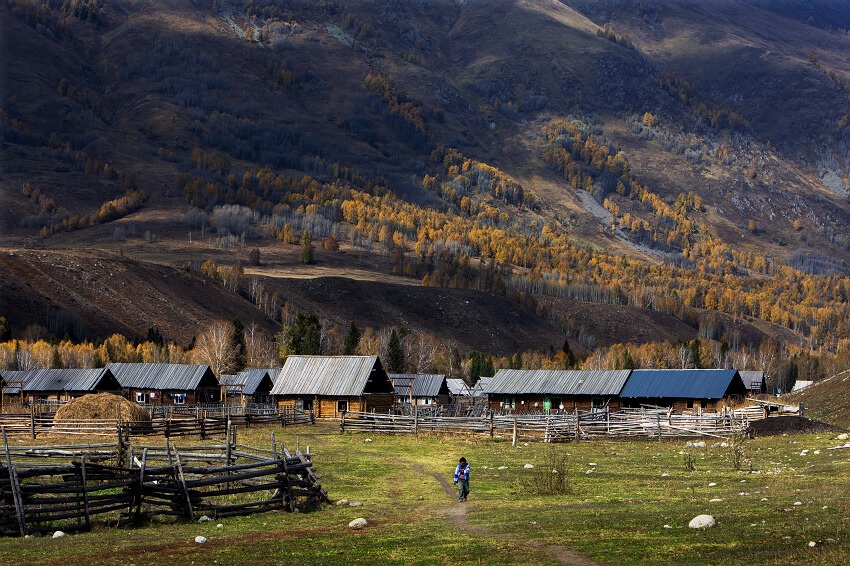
x,y
755,381
57,385
684,390
554,391
420,388
167,384
332,385
249,386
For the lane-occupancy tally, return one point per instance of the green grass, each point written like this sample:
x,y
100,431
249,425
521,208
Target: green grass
x,y
633,508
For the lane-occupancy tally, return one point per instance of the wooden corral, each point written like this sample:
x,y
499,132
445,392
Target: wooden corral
x,y
67,487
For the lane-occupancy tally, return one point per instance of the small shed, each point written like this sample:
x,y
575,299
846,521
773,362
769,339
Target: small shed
x,y
684,389
552,391
58,385
754,381
420,388
331,385
167,384
458,387
249,386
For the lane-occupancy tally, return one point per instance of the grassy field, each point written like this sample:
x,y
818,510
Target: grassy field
x,y
627,503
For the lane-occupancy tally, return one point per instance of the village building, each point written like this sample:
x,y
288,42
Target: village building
x,y
554,391
332,385
420,388
251,386
167,384
458,387
56,385
683,390
755,381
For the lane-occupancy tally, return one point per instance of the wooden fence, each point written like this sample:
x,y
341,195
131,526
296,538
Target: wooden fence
x,y
168,424
65,487
554,428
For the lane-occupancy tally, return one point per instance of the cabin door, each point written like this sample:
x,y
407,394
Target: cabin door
x,y
547,404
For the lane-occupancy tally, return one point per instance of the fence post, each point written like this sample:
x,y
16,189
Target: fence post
x,y
203,425
513,442
658,424
342,422
32,421
492,425
577,430
16,487
415,421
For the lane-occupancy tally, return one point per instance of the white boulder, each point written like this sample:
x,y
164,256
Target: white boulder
x,y
58,534
702,522
358,523
200,540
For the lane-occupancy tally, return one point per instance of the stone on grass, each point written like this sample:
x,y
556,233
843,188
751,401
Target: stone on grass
x,y
58,534
200,540
342,502
528,466
842,436
356,504
715,500
702,522
219,526
358,523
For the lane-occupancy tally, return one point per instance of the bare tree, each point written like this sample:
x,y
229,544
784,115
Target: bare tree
x,y
260,351
215,347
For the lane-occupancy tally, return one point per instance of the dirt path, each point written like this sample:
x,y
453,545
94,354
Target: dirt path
x,y
457,515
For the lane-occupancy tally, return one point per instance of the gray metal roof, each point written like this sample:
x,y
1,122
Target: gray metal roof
x,y
70,379
753,379
424,384
332,376
557,382
247,382
178,377
681,383
480,387
457,386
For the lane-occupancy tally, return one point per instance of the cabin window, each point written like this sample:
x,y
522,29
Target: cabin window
x,y
509,402
341,406
597,402
179,398
143,398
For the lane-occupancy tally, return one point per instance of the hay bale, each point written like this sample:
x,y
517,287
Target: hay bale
x,y
102,406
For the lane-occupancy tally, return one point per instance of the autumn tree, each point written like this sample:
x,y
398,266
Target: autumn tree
x,y
215,347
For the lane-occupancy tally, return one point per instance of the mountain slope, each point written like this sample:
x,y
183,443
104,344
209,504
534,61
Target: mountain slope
x,y
117,116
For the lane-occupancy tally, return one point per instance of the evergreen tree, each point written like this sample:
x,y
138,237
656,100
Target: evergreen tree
x,y
239,344
307,255
569,357
628,362
56,359
304,336
695,353
352,340
395,357
480,365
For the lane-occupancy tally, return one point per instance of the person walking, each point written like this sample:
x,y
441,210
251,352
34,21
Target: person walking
x,y
462,480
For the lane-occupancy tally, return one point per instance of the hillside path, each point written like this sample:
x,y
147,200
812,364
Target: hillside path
x,y
457,516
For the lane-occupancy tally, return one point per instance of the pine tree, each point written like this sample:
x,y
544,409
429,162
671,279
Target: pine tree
x,y
569,357
307,255
395,357
239,344
352,340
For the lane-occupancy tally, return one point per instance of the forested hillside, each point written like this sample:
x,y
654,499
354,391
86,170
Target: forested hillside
x,y
687,159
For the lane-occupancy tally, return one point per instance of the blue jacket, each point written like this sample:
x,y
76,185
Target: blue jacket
x,y
462,472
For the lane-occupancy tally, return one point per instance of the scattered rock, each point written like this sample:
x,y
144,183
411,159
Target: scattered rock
x,y
528,466
356,504
702,522
665,475
712,484
204,519
358,523
588,472
58,534
666,527
342,502
798,503
842,436
368,440
503,467
219,526
200,540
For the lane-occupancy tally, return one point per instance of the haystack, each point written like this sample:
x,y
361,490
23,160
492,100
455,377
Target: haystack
x,y
102,406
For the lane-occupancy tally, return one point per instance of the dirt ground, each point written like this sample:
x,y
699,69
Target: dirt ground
x,y
775,426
